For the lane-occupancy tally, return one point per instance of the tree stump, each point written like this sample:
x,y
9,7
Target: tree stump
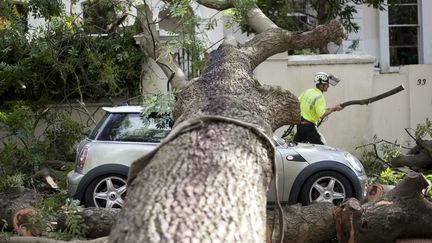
x,y
16,207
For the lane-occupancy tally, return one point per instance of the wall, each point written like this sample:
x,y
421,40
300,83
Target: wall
x,y
426,30
390,115
414,105
356,125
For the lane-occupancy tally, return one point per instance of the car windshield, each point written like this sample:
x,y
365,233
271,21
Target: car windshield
x,y
130,127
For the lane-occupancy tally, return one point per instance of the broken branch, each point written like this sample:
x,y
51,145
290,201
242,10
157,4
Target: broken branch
x,y
373,99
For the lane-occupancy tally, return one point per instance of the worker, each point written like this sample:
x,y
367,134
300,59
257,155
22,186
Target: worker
x,y
313,108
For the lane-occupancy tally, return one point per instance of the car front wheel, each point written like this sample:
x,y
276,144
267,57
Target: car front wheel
x,y
326,186
107,191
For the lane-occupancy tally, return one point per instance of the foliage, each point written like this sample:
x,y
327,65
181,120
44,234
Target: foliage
x,y
240,12
4,235
390,151
26,148
306,15
75,227
373,166
288,14
190,45
60,62
159,107
45,8
423,130
47,212
379,168
14,12
14,180
389,177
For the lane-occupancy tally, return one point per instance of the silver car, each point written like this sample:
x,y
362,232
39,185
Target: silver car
x,y
307,173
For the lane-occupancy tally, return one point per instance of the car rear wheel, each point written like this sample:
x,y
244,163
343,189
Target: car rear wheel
x,y
326,186
107,191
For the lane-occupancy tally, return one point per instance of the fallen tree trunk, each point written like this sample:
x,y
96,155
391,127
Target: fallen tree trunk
x,y
98,220
313,223
399,214
16,208
22,239
418,158
402,213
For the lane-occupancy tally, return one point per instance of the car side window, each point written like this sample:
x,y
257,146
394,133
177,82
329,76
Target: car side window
x,y
131,128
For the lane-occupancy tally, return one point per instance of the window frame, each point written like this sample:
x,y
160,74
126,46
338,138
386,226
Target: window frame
x,y
384,36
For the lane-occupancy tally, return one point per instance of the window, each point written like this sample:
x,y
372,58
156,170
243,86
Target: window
x,y
403,33
129,127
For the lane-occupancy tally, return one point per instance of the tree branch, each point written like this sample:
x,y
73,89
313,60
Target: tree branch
x,y
219,5
149,42
375,98
276,40
258,21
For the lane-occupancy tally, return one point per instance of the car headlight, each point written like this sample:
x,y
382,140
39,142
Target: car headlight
x,y
355,163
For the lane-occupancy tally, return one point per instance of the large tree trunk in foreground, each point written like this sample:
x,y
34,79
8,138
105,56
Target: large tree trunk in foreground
x,y
208,182
402,213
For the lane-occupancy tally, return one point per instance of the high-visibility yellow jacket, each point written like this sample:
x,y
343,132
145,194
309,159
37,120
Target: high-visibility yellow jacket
x,y
312,105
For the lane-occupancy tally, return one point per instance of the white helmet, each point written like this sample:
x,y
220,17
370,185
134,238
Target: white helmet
x,y
322,78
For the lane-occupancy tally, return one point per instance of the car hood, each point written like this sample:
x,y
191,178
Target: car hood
x,y
313,153
322,150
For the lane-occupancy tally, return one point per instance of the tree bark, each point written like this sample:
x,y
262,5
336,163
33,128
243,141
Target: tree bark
x,y
150,43
313,223
402,213
418,158
375,98
16,207
209,182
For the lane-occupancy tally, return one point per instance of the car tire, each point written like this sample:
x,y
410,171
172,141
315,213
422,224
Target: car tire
x,y
107,191
326,186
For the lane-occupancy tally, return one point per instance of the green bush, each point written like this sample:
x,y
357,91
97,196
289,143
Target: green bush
x,y
390,177
25,150
47,211
63,63
379,169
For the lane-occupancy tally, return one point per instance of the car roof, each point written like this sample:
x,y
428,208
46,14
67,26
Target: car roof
x,y
123,109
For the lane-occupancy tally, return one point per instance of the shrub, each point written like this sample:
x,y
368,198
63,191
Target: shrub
x,y
25,150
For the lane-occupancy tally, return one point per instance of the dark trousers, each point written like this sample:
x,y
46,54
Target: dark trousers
x,y
307,133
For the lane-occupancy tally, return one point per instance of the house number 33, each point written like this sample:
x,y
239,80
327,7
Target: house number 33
x,y
421,81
